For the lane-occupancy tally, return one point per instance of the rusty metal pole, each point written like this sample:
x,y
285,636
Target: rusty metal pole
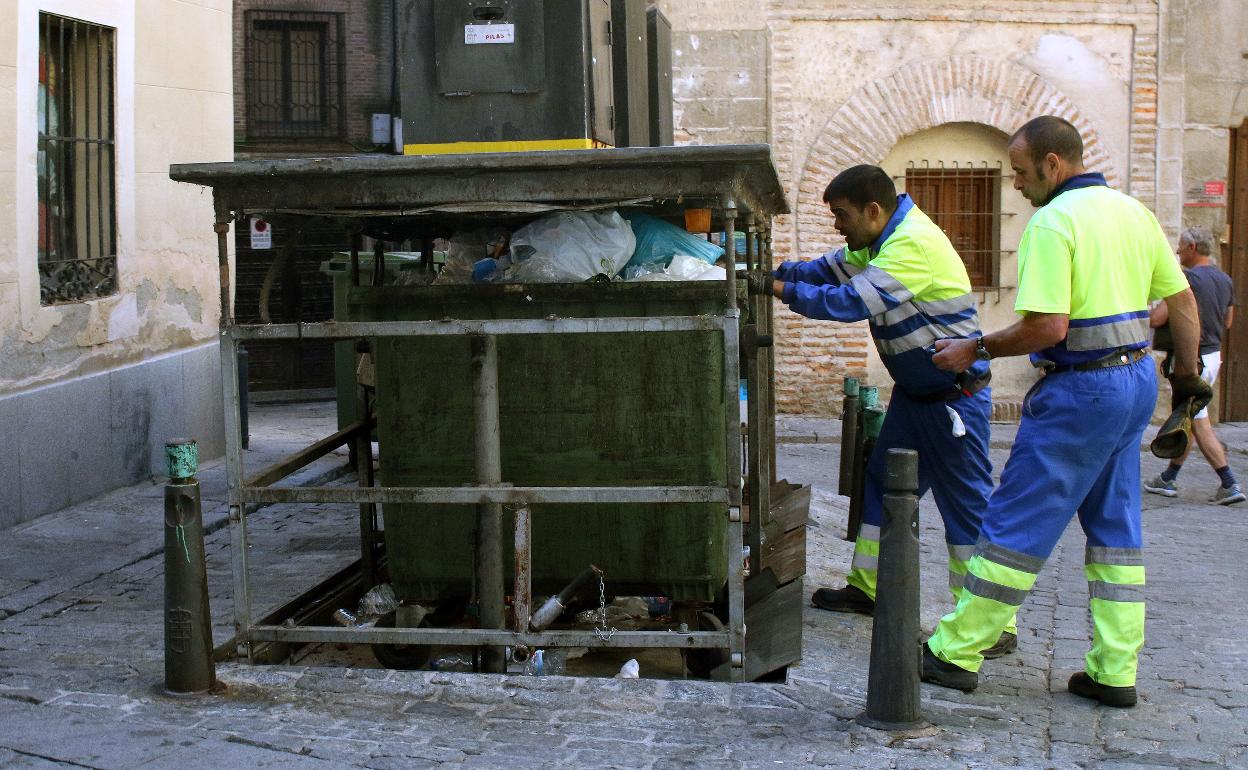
x,y
188,624
893,679
489,467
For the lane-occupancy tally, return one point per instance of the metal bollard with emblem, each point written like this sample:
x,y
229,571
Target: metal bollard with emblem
x,y
893,678
188,626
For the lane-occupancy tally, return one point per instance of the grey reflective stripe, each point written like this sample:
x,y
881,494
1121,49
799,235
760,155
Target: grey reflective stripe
x,y
955,580
865,561
999,554
869,532
1115,592
1118,557
869,294
1111,335
886,282
961,552
919,338
986,589
963,328
947,306
896,315
842,269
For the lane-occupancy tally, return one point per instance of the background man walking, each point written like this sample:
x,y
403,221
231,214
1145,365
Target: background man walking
x,y
1214,297
1089,262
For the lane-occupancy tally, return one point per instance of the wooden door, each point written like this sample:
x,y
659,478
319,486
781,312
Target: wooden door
x,y
1234,376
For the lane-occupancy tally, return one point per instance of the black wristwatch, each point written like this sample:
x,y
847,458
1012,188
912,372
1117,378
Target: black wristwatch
x,y
981,350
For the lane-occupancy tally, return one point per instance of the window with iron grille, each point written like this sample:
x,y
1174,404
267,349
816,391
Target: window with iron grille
x,y
294,75
75,164
965,202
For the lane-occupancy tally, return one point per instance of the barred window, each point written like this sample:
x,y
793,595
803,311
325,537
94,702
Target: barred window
x,y
965,202
294,75
76,155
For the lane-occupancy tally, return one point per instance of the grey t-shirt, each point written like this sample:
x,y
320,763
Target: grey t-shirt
x,y
1214,294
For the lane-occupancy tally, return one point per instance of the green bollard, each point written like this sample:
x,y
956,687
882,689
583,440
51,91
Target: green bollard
x,y
849,436
869,422
893,678
188,626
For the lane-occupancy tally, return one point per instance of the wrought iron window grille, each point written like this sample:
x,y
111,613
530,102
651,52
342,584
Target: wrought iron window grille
x,y
77,252
964,200
294,65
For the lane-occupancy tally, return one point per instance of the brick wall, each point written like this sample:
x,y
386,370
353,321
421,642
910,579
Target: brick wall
x,y
367,49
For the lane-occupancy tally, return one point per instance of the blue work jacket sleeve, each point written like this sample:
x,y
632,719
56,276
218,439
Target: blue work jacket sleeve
x,y
828,269
869,293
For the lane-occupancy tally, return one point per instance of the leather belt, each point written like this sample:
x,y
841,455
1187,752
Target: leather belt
x,y
1117,359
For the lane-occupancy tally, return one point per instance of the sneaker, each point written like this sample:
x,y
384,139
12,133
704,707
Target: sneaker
x,y
1086,687
938,672
847,599
1005,644
1159,486
1228,495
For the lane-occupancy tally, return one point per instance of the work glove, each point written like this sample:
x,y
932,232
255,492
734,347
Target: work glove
x,y
1190,386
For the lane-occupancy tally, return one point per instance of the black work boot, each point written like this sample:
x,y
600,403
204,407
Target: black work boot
x,y
938,672
1005,644
1086,687
847,599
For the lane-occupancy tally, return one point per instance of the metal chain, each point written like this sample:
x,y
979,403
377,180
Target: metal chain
x,y
604,633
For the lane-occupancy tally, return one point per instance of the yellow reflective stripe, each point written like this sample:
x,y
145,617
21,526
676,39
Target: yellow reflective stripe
x,y
869,547
1114,573
530,145
1117,636
1000,574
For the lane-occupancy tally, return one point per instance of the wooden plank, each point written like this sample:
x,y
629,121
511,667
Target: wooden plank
x,y
790,504
786,555
774,638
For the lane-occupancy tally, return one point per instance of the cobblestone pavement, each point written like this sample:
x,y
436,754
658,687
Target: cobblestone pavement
x,y
81,658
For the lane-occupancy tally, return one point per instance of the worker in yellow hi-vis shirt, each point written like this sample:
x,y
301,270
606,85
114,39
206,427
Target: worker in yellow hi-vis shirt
x,y
1090,261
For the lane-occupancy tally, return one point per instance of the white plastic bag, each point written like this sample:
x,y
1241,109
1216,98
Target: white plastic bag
x,y
570,247
682,268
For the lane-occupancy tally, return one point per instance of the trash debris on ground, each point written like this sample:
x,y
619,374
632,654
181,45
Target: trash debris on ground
x,y
630,670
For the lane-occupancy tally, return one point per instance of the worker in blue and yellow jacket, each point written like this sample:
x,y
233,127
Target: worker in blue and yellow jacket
x,y
1089,262
900,272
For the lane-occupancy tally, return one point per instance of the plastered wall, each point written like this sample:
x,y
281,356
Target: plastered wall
x,y
173,104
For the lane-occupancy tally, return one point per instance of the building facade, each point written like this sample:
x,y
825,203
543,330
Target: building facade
x,y
930,90
108,270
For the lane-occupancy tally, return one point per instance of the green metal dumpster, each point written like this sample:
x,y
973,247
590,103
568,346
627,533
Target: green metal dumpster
x,y
575,410
338,267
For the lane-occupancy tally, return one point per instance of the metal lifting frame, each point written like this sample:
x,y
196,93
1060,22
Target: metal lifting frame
x,y
491,491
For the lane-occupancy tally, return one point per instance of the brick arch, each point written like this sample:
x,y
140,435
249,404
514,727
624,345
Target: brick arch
x,y
962,89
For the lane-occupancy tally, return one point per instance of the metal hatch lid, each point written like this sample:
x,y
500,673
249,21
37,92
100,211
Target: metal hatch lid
x,y
693,175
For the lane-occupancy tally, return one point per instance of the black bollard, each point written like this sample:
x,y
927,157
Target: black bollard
x,y
849,436
893,681
188,626
870,420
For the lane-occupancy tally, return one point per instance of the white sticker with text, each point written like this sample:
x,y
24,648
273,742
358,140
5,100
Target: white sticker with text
x,y
477,34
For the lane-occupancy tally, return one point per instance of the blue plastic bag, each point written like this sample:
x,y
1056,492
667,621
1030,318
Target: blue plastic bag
x,y
659,241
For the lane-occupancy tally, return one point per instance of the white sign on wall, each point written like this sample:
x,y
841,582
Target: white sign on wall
x,y
261,233
477,34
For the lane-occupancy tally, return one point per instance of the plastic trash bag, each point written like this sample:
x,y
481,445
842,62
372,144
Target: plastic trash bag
x,y
570,247
682,268
659,241
465,249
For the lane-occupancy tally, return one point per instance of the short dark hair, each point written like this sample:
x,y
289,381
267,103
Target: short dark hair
x,y
1051,134
861,185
